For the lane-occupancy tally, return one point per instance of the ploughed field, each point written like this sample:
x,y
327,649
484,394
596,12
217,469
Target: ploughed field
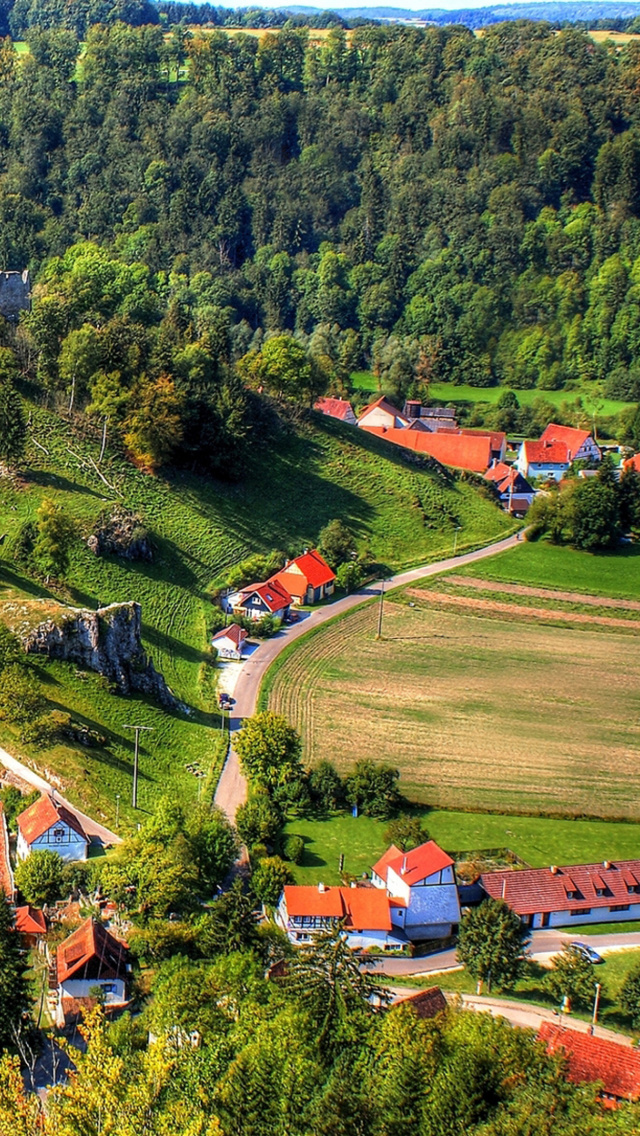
x,y
487,695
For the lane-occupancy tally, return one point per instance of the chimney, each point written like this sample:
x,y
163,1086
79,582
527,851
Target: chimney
x,y
404,866
353,884
553,869
321,888
606,864
504,887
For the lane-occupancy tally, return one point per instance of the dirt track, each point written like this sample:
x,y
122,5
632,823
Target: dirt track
x,y
544,593
450,599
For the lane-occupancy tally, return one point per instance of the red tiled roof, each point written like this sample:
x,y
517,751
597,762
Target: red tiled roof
x,y
234,632
633,463
595,1059
426,1003
313,568
362,908
30,921
91,942
464,451
6,875
42,815
367,909
272,594
546,453
536,890
389,856
335,408
499,471
573,439
498,437
420,862
302,900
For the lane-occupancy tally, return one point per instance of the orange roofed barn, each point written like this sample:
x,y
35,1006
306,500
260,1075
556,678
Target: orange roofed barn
x,y
308,579
89,958
591,1059
465,451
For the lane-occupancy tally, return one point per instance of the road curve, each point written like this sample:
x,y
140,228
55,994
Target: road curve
x,y
232,787
97,832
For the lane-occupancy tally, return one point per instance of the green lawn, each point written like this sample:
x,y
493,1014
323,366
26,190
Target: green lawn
x,y
399,515
545,565
536,840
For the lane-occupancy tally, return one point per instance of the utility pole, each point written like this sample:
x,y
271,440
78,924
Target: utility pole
x,y
380,611
134,795
455,538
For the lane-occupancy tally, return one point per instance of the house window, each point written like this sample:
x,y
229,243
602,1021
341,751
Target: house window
x,y
58,835
619,907
581,911
571,894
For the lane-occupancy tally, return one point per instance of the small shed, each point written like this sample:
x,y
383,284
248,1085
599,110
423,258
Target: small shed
x,y
229,641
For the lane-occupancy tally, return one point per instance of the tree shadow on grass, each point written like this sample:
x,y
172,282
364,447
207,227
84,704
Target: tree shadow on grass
x,y
162,641
57,481
24,583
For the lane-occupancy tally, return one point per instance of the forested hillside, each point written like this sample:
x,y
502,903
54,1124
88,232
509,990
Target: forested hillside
x,y
475,199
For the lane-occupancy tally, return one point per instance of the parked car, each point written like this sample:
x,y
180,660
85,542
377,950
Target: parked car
x,y
587,952
224,701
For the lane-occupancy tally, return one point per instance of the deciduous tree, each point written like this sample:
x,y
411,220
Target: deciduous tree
x,y
492,944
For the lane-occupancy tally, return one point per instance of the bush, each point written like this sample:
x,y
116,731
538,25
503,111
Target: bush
x,y
325,785
40,878
294,849
269,879
406,832
630,996
259,821
373,789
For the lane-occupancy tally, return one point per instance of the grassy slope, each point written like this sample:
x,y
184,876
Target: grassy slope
x,y
536,840
201,527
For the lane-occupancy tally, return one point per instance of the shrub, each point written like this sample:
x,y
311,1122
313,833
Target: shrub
x,y
373,789
269,879
294,849
40,878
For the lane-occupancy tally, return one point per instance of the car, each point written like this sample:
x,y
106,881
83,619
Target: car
x,y
224,699
587,952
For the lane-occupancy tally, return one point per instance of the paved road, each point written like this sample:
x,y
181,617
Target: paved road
x,y
98,832
544,944
232,788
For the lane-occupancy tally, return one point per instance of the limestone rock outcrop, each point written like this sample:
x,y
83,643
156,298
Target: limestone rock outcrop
x,y
107,641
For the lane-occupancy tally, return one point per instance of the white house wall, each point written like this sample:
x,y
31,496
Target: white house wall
x,y
71,847
596,915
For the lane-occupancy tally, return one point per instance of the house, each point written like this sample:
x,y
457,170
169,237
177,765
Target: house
x,y
6,875
91,957
15,294
421,885
464,451
229,641
632,463
308,578
259,600
363,913
382,413
49,825
337,408
580,445
548,460
590,1059
569,896
31,925
515,492
426,1003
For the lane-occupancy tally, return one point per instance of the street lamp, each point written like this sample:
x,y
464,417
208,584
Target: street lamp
x,y
117,809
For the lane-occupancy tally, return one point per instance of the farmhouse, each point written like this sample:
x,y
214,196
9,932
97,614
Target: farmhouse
x,y
515,492
580,445
49,825
561,897
590,1059
548,460
412,896
229,641
89,958
259,600
382,413
337,408
465,451
308,578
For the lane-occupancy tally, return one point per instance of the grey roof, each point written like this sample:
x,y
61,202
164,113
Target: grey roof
x,y
433,905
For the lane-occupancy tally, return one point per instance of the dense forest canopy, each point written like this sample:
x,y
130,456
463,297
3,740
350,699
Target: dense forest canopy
x,y
427,202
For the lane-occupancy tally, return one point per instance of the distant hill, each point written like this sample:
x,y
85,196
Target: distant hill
x,y
479,17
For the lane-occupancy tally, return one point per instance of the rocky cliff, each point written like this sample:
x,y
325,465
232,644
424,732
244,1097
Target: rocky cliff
x,y
107,641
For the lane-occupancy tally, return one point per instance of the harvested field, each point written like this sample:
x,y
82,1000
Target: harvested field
x,y
543,593
481,711
508,610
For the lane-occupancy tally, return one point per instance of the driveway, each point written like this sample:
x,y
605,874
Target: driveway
x,y
232,787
